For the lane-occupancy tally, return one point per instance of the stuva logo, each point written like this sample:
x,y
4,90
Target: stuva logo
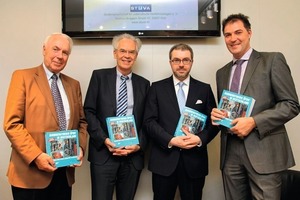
x,y
140,8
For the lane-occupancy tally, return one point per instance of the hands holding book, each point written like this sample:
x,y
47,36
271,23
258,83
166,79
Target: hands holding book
x,y
45,163
187,141
79,157
241,126
234,112
121,151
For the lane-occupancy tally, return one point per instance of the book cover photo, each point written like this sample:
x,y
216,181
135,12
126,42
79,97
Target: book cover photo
x,y
192,120
122,130
63,147
234,105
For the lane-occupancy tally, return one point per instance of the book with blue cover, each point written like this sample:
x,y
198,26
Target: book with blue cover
x,y
234,105
192,120
63,147
122,130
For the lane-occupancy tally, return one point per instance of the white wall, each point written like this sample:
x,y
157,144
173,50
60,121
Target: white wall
x,y
25,24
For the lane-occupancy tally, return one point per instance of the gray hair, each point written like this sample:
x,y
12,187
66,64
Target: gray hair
x,y
117,38
61,34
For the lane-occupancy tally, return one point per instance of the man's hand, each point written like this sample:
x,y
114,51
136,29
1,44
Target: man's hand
x,y
185,142
243,126
121,151
45,163
109,145
80,158
124,151
216,114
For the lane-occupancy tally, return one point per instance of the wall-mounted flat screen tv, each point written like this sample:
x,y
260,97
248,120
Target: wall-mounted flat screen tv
x,y
143,18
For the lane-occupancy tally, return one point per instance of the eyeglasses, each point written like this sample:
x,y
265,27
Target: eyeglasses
x,y
129,52
185,61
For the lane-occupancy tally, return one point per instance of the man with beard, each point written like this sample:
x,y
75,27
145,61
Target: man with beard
x,y
180,161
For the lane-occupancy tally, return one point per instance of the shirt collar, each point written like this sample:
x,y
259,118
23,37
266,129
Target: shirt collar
x,y
176,81
246,56
119,74
49,73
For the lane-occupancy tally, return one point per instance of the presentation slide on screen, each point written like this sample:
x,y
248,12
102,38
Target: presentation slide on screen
x,y
112,15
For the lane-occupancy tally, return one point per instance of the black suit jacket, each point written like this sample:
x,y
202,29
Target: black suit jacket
x,y
100,103
161,118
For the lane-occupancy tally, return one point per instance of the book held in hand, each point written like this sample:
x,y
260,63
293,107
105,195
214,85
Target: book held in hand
x,y
122,130
192,120
63,147
234,105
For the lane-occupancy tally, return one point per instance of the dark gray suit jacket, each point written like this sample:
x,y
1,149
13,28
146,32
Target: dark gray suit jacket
x,y
161,118
268,80
100,103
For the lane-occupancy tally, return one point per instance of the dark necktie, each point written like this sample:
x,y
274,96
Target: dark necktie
x,y
58,103
235,83
181,96
122,98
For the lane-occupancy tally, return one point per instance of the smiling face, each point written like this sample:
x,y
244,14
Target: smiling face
x,y
184,66
125,55
237,38
56,51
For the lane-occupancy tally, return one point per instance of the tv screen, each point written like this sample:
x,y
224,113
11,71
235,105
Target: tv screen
x,y
143,18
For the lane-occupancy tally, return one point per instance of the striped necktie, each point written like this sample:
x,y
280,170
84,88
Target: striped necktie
x,y
59,107
122,98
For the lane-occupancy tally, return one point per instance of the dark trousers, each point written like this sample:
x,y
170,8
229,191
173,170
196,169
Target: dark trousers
x,y
117,173
164,187
58,189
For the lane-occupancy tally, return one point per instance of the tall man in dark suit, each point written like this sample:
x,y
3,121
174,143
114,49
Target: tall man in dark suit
x,y
30,112
115,167
178,161
257,148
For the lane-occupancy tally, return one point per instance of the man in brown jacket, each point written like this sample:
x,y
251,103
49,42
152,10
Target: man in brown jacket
x,y
30,112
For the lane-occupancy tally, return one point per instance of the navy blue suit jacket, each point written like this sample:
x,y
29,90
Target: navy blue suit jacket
x,y
100,103
161,118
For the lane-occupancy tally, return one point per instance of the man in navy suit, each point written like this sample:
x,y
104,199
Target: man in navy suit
x,y
182,160
257,149
115,167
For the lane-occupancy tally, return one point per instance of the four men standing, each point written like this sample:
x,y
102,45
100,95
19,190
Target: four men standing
x,y
251,160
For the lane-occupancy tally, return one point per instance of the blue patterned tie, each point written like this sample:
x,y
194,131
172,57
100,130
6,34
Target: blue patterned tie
x,y
122,98
181,96
58,103
235,82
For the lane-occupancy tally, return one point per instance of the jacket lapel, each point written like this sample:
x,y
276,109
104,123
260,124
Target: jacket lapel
x,y
42,82
135,87
111,79
169,89
251,66
224,78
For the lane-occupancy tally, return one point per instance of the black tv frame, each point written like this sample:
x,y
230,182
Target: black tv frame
x,y
73,17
